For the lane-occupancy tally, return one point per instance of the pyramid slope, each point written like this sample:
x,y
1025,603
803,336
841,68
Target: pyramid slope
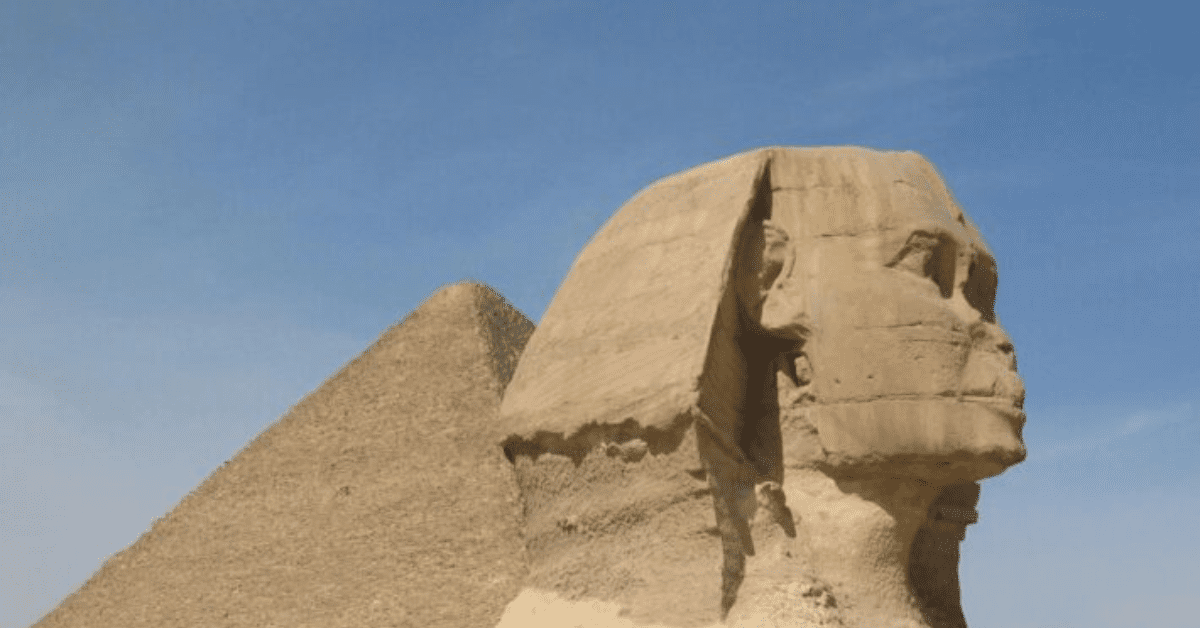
x,y
381,499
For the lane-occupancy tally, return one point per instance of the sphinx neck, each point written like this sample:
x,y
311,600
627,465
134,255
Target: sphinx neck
x,y
856,537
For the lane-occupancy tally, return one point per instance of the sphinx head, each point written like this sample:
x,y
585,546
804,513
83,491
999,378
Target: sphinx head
x,y
824,311
866,261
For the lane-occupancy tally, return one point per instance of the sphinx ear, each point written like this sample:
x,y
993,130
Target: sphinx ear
x,y
747,274
750,244
783,310
764,264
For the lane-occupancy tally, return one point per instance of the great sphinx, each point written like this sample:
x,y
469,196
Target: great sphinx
x,y
764,396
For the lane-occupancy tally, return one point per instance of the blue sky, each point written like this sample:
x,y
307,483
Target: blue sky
x,y
208,208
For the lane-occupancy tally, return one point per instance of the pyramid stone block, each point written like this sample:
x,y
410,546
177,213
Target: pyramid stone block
x,y
382,498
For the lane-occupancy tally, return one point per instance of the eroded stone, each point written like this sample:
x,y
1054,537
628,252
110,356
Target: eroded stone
x,y
819,323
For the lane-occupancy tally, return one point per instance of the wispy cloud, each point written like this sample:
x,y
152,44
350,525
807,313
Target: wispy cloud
x,y
903,73
1118,430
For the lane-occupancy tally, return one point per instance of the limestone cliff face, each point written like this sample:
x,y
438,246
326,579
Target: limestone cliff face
x,y
381,499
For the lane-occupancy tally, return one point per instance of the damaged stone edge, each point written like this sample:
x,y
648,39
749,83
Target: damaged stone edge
x,y
628,439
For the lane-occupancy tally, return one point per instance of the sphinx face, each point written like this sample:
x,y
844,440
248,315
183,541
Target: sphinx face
x,y
893,289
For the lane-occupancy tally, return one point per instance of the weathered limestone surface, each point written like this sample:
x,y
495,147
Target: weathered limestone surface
x,y
380,499
764,395
628,331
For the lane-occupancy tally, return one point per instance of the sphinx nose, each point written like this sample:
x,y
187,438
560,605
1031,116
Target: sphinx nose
x,y
1005,346
992,337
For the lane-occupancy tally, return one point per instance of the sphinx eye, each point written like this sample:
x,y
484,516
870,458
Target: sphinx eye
x,y
931,256
980,289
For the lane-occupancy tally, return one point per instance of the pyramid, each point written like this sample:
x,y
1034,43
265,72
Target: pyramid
x,y
382,498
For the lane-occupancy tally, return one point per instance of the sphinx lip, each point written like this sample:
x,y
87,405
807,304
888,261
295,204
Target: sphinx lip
x,y
1005,407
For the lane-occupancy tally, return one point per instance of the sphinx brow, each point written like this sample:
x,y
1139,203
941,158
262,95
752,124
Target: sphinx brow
x,y
918,238
980,254
942,235
937,231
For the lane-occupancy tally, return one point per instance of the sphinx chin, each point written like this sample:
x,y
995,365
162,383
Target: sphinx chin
x,y
938,441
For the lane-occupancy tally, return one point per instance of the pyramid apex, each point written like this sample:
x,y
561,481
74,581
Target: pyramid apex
x,y
504,328
467,288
